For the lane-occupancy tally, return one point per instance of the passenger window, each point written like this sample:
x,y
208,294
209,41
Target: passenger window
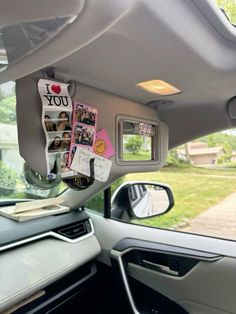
x,y
202,175
96,203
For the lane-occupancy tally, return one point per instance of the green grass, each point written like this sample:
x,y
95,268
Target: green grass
x,y
229,171
138,156
195,190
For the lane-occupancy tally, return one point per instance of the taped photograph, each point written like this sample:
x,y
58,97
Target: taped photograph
x,y
84,135
85,114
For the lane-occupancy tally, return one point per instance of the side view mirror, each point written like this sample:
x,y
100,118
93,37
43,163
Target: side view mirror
x,y
139,200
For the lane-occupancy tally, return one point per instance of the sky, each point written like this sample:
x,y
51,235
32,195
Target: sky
x,y
7,87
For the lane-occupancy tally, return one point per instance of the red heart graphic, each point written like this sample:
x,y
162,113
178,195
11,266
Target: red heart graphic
x,y
56,89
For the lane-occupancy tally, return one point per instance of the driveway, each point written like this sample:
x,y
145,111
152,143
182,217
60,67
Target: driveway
x,y
219,220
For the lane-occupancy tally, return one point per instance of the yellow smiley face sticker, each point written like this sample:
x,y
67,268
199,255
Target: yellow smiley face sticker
x,y
100,147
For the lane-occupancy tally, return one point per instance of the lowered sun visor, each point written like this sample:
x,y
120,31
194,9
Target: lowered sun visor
x,y
58,137
96,145
31,137
44,120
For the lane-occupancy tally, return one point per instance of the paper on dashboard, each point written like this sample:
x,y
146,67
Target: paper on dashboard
x,y
81,164
28,206
35,209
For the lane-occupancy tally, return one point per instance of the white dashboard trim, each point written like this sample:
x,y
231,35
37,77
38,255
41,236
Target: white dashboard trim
x,y
48,234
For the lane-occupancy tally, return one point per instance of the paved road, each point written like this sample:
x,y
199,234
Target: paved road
x,y
219,220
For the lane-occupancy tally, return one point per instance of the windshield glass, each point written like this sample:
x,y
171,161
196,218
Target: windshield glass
x,y
229,7
12,182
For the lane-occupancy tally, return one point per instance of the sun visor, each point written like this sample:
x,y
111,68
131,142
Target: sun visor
x,y
44,115
31,137
71,132
56,134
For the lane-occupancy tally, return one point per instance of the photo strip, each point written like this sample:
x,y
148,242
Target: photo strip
x,y
83,128
65,170
57,124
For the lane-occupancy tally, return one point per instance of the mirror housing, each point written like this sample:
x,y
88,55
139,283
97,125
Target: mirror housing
x,y
140,200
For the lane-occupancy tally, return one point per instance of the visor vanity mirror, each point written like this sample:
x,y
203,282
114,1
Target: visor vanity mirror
x,y
137,141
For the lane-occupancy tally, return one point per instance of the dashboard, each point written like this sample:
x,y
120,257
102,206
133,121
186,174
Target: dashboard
x,y
37,253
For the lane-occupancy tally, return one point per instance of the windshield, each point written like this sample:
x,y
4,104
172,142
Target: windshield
x,y
12,182
229,7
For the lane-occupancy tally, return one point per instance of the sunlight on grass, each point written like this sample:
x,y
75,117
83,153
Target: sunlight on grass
x,y
195,190
138,156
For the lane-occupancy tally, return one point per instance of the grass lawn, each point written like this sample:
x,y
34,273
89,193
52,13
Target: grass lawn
x,y
138,156
195,190
230,171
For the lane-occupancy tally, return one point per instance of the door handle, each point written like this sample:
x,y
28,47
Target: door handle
x,y
160,268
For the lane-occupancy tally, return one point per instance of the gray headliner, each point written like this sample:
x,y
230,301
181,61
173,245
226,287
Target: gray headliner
x,y
188,52
144,45
185,42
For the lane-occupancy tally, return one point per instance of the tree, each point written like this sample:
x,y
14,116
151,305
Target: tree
x,y
225,140
172,158
134,143
7,109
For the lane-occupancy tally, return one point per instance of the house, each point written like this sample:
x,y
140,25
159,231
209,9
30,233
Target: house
x,y
200,154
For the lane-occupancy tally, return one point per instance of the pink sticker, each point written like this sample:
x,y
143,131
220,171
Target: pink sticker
x,y
103,146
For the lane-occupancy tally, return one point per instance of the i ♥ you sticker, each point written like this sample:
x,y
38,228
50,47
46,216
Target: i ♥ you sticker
x,y
56,88
54,94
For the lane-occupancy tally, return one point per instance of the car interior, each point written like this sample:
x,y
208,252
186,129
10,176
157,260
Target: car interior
x,y
165,69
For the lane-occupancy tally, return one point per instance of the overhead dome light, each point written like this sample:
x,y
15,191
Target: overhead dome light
x,y
159,87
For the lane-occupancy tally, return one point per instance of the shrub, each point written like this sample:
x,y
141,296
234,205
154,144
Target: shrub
x,y
8,179
97,202
133,144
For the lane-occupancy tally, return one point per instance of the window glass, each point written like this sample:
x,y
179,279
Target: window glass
x,y
20,39
97,202
202,175
229,7
12,182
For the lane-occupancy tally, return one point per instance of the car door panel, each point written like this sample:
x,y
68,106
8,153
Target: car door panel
x,y
180,274
193,272
210,285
